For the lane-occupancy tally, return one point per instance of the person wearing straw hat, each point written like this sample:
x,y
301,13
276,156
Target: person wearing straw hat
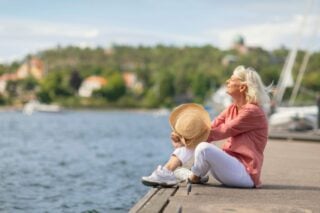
x,y
191,125
243,124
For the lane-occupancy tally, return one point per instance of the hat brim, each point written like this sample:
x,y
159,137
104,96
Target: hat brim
x,y
201,113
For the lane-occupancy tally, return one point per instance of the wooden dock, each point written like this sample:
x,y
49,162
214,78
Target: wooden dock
x,y
313,135
291,183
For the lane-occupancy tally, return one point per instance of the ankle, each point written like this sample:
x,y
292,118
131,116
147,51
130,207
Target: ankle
x,y
173,163
169,168
194,179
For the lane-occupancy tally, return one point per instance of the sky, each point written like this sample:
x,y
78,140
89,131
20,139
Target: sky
x,y
30,26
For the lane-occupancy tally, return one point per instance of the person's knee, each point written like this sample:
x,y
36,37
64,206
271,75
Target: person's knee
x,y
202,147
183,154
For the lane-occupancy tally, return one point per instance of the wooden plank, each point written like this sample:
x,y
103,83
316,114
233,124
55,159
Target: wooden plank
x,y
144,200
158,201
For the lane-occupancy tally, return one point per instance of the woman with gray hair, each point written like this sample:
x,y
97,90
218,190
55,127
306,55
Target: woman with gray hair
x,y
243,124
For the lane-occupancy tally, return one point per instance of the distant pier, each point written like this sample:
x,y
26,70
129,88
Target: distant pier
x,y
312,135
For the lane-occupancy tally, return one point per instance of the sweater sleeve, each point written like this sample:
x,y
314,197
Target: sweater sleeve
x,y
247,120
219,120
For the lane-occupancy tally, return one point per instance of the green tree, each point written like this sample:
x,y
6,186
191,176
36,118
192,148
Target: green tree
x,y
114,89
164,84
75,80
28,84
200,86
55,85
12,88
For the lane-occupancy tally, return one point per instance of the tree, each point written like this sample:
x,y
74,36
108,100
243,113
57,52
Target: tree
x,y
164,85
53,87
28,84
200,86
75,80
114,89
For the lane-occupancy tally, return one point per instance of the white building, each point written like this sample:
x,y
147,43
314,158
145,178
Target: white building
x,y
91,84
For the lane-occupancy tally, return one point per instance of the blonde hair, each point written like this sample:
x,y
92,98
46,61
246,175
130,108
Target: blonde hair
x,y
257,92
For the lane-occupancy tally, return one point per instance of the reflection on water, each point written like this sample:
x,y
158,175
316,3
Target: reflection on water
x,y
78,161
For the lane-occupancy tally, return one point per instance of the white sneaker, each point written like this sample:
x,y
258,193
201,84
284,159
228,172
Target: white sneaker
x,y
182,174
160,177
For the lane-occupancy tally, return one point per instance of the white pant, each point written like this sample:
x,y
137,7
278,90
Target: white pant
x,y
227,169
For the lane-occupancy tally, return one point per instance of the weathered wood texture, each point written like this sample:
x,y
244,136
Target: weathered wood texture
x,y
154,201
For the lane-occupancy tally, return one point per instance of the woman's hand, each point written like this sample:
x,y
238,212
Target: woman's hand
x,y
175,140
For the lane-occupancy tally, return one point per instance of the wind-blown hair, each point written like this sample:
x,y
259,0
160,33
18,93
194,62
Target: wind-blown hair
x,y
257,92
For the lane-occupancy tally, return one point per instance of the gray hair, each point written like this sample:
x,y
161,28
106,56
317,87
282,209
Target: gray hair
x,y
257,92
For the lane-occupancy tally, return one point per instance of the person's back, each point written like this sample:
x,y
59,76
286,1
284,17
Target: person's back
x,y
247,133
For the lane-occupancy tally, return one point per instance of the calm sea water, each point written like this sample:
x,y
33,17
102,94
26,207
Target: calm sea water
x,y
78,161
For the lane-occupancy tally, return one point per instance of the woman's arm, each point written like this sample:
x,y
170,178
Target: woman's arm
x,y
247,120
220,119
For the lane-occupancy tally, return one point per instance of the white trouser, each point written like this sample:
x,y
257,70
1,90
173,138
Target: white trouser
x,y
227,169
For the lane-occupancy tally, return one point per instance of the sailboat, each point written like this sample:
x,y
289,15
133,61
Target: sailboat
x,y
293,118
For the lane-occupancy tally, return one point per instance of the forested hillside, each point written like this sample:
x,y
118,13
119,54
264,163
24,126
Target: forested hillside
x,y
169,75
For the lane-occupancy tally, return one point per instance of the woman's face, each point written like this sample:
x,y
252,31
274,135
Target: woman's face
x,y
234,86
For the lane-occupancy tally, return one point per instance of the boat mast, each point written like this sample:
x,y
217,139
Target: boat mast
x,y
303,66
285,79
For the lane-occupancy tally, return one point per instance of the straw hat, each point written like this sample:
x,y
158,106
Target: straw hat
x,y
191,122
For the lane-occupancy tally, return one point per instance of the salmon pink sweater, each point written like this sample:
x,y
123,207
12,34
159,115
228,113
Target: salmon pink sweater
x,y
247,133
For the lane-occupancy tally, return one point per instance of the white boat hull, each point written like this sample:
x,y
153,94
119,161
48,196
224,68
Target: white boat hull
x,y
35,106
294,118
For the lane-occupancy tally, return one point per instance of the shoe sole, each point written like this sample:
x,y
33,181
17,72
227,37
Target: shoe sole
x,y
155,184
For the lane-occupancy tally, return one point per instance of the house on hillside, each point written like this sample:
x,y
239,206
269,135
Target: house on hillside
x,y
4,81
33,67
132,82
239,45
229,59
91,84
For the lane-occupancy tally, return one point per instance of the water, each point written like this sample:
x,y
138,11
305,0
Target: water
x,y
78,161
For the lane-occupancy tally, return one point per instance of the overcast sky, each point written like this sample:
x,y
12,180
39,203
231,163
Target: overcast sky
x,y
28,26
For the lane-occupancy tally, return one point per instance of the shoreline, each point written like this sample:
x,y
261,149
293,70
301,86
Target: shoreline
x,y
155,110
10,108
